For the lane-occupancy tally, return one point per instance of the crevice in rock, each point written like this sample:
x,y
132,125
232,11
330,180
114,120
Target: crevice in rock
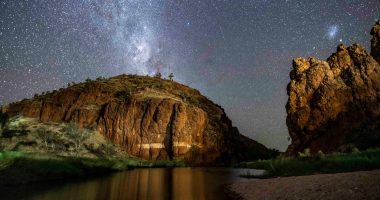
x,y
169,134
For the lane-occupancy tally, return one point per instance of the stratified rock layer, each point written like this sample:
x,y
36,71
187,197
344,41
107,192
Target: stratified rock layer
x,y
329,101
150,118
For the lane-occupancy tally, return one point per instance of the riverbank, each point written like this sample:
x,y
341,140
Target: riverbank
x,y
306,164
349,186
21,168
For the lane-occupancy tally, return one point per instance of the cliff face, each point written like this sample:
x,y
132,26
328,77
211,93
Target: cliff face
x,y
331,101
148,117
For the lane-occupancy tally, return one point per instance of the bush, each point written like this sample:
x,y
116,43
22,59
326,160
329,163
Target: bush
x,y
10,133
122,95
305,153
333,163
46,136
77,135
158,75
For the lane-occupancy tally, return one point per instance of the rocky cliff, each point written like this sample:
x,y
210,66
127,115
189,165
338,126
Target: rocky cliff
x,y
150,118
335,104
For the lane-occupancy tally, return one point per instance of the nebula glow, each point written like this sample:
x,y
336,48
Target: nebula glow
x,y
332,31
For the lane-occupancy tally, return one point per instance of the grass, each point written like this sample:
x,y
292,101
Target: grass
x,y
333,163
17,167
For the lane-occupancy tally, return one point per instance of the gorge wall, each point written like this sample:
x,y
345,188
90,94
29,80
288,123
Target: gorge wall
x,y
150,118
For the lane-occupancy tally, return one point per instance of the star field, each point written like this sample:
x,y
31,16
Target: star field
x,y
236,52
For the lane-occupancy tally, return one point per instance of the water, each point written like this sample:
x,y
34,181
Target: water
x,y
154,183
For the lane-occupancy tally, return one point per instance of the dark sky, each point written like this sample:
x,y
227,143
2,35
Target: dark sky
x,y
236,52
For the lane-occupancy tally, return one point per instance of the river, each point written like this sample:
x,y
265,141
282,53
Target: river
x,y
151,183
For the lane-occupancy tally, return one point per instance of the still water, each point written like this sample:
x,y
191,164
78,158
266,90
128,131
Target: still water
x,y
154,183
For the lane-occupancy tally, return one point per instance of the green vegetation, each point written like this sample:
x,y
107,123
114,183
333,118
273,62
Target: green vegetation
x,y
17,167
123,95
158,75
46,136
171,75
320,163
77,135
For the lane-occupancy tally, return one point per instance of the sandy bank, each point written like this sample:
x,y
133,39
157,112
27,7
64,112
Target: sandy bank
x,y
349,186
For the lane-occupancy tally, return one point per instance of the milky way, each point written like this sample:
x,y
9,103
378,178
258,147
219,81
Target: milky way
x,y
238,53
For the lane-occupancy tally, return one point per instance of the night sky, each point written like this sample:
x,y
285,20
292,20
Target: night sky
x,y
237,52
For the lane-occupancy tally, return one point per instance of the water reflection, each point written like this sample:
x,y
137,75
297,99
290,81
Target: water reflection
x,y
159,183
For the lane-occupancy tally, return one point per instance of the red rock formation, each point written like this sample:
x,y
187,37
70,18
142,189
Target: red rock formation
x,y
149,117
329,101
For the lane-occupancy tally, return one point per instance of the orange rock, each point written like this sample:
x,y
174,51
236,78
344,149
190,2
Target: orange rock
x,y
150,118
330,101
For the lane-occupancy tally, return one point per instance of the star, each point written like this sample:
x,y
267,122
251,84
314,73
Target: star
x,y
232,51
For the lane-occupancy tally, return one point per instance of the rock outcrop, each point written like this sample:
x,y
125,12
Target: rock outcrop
x,y
150,118
332,102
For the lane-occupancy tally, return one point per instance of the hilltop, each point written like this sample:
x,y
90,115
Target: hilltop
x,y
141,116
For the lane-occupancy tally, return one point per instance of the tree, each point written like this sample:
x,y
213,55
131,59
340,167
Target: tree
x,y
45,135
77,135
171,76
158,75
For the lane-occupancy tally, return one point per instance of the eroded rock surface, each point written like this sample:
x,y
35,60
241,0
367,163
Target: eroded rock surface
x,y
150,118
330,101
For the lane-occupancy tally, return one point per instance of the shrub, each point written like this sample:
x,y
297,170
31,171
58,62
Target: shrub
x,y
305,153
330,163
10,133
171,75
45,135
158,75
109,148
320,154
121,95
77,135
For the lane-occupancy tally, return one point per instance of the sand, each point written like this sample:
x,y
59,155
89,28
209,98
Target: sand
x,y
341,186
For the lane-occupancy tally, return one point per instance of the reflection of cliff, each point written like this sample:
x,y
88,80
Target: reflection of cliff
x,y
331,101
146,184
